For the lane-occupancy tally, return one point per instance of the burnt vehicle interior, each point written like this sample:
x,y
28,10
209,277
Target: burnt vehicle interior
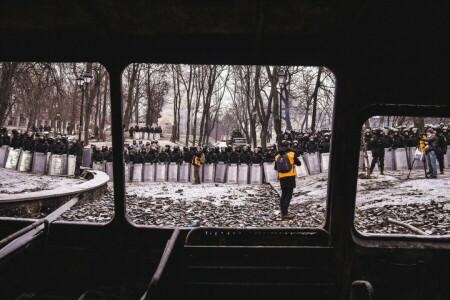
x,y
389,58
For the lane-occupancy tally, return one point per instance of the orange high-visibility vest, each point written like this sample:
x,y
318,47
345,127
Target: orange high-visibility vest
x,y
293,171
196,161
422,144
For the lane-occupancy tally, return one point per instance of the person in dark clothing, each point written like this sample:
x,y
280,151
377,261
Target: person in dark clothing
x,y
58,147
151,155
233,157
324,144
105,152
408,139
109,157
211,156
131,131
126,156
16,141
5,139
41,145
176,156
446,134
269,156
287,179
397,141
28,143
72,149
137,157
377,144
257,157
97,155
441,149
187,155
163,156
222,156
296,148
367,137
430,151
75,148
245,157
311,145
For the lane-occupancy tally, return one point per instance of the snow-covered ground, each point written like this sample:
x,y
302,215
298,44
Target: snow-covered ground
x,y
394,189
15,182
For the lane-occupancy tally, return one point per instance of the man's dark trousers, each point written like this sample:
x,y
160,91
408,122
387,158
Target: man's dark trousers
x,y
287,188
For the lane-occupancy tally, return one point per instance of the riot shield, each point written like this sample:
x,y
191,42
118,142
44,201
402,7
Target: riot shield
x,y
86,159
312,162
13,159
232,173
127,172
109,170
71,164
137,173
161,172
55,165
208,173
157,136
172,172
362,161
48,162
149,172
64,164
256,176
3,155
221,172
324,162
448,156
303,169
401,159
39,163
271,175
98,166
243,171
184,172
25,159
389,159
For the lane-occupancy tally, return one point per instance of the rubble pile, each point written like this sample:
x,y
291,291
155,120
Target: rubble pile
x,y
379,200
432,217
260,210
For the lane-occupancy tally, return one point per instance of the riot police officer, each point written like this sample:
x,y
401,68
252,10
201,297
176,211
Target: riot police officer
x,y
377,144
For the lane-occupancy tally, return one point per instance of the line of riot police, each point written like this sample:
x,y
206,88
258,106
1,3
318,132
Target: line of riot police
x,y
42,143
307,142
392,138
153,153
145,132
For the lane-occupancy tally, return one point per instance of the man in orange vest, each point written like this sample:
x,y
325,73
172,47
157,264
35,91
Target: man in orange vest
x,y
285,163
196,162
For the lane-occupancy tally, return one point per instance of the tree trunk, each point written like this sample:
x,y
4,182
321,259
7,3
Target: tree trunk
x,y
419,123
314,97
